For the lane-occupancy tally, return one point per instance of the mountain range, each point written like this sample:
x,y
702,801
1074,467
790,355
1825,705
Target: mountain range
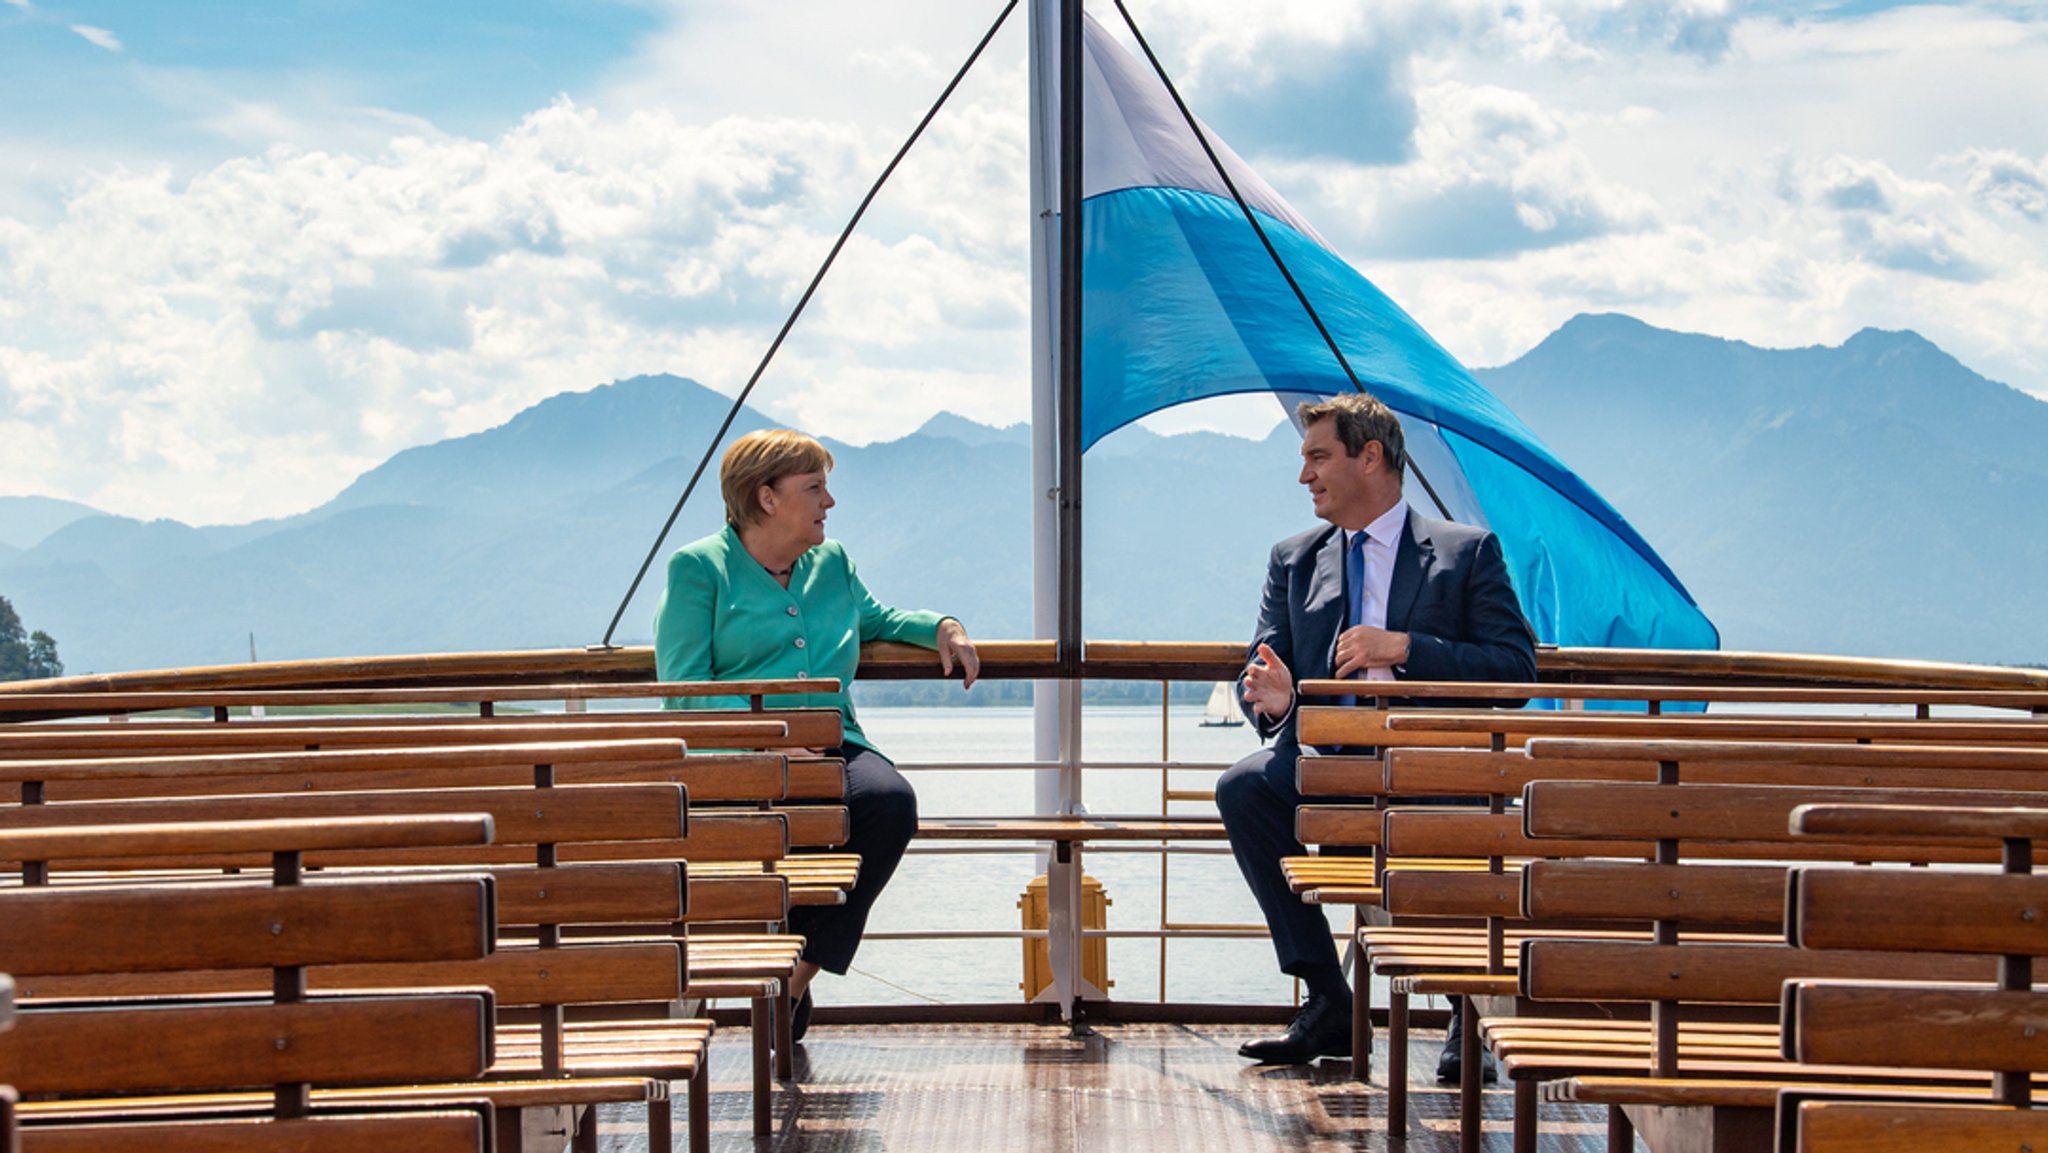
x,y
1868,498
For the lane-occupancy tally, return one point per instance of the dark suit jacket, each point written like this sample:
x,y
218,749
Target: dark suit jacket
x,y
1450,593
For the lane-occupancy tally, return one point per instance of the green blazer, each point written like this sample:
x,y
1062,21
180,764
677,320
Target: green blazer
x,y
723,618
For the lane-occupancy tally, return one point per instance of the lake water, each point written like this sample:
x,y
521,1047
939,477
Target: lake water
x,y
979,890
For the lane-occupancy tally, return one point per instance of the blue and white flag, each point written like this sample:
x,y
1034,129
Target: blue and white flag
x,y
1181,302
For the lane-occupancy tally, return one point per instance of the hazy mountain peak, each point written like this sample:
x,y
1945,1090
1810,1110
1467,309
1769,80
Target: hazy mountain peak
x,y
960,428
563,449
26,520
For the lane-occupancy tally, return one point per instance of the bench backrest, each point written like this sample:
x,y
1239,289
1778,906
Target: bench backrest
x,y
1683,822
281,1039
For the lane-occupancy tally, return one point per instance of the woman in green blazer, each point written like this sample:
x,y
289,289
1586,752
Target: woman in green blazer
x,y
768,597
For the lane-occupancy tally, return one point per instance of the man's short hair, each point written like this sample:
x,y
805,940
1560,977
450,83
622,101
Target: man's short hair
x,y
760,458
1360,418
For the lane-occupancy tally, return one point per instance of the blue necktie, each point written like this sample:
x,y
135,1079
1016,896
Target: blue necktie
x,y
1354,575
1354,590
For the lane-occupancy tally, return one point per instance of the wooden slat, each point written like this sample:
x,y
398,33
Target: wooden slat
x,y
1951,754
160,840
347,760
438,695
520,816
1927,1026
591,893
1921,910
817,826
1696,694
1357,826
763,898
1886,1127
1344,776
1521,726
1477,772
1639,890
1436,893
814,779
514,1094
107,1050
644,973
714,837
381,728
1955,821
1469,833
75,930
1622,810
710,777
416,1132
1325,725
1726,974
154,740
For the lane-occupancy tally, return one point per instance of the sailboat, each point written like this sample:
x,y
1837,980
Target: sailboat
x,y
1222,711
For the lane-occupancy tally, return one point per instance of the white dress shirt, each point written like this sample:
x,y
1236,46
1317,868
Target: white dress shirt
x,y
1369,600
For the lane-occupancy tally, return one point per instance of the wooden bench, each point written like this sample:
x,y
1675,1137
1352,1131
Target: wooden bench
x,y
727,849
625,823
1472,877
1694,828
284,1039
1985,1029
541,899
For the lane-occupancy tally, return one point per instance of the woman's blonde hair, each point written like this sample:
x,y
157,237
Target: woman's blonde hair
x,y
760,458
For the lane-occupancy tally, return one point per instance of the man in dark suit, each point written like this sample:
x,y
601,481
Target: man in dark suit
x,y
1379,592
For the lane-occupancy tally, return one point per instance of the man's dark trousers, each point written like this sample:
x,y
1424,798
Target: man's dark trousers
x,y
1257,798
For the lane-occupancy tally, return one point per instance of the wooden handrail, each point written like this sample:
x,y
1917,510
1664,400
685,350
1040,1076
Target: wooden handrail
x,y
1028,659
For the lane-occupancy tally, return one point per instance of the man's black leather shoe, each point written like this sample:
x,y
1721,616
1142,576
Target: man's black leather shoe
x,y
1321,1029
1450,1063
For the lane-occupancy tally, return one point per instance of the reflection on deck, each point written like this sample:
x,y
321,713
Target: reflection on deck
x,y
932,1088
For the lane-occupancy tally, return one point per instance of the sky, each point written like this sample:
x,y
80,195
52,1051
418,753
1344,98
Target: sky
x,y
250,250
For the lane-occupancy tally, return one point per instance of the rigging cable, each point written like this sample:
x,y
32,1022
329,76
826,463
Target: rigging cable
x,y
1251,218
775,345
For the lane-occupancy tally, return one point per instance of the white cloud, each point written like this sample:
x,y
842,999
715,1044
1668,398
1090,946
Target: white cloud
x,y
219,339
271,326
97,37
24,5
2005,180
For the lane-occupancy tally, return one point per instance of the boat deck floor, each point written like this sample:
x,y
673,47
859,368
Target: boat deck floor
x,y
916,1088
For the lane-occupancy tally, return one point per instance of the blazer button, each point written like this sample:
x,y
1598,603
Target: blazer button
x,y
799,642
792,610
802,675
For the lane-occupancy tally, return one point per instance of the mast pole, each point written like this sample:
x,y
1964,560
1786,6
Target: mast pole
x,y
1056,73
1045,466
1070,340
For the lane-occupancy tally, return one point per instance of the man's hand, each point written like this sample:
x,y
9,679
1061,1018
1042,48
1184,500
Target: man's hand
x,y
1363,647
955,648
1268,686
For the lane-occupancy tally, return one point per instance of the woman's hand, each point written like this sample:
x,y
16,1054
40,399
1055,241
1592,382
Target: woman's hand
x,y
955,648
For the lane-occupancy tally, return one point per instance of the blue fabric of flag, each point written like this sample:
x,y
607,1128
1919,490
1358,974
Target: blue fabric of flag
x,y
1181,302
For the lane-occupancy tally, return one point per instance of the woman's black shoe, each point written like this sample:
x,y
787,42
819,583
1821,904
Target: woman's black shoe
x,y
800,1018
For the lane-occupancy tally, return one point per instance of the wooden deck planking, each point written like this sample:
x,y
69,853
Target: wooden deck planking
x,y
918,1088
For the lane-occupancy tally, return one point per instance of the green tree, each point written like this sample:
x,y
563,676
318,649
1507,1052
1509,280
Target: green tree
x,y
25,655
